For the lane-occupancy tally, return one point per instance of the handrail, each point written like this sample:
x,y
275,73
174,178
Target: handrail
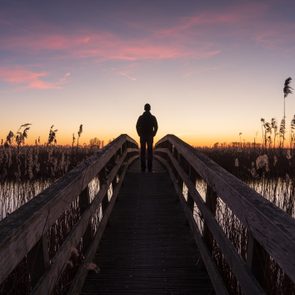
x,y
24,232
270,230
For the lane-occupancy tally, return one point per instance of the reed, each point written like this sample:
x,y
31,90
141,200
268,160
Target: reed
x,y
271,172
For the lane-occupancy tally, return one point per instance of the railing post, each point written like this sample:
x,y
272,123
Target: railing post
x,y
84,202
177,156
38,259
190,202
257,259
103,181
192,177
211,202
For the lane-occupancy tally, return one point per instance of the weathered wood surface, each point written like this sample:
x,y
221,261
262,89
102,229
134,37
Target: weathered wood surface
x,y
269,225
82,272
148,248
210,265
20,231
49,279
238,266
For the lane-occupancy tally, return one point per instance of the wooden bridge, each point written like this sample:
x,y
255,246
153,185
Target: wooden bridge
x,y
189,227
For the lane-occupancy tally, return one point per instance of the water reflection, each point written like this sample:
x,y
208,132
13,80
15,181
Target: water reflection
x,y
94,187
15,194
201,187
279,191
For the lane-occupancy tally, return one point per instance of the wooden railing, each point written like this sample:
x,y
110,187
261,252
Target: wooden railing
x,y
270,232
26,246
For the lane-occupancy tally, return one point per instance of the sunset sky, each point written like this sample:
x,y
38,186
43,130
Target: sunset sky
x,y
209,69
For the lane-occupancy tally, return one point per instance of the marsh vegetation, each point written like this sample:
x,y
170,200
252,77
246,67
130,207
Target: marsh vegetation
x,y
271,172
268,168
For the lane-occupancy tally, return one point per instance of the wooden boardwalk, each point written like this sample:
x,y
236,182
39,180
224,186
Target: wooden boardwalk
x,y
147,247
143,238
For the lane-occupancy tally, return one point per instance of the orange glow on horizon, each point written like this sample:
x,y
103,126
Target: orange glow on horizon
x,y
193,140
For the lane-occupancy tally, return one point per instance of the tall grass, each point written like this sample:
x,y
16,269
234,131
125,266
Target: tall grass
x,y
27,170
271,172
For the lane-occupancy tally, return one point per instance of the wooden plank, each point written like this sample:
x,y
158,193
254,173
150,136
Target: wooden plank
x,y
148,247
215,277
38,260
84,203
211,202
270,226
21,230
257,260
82,271
49,279
238,266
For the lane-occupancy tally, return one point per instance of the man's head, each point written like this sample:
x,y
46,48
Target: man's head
x,y
147,107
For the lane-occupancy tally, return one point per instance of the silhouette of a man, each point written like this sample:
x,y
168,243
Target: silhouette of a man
x,y
147,127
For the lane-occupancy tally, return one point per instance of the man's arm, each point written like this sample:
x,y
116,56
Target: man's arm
x,y
155,127
138,126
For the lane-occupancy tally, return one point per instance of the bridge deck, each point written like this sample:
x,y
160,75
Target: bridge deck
x,y
147,247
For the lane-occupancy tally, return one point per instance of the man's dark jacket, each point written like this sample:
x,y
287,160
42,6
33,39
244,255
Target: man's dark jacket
x,y
147,125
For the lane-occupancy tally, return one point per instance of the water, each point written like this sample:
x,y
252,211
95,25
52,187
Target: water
x,y
15,194
279,191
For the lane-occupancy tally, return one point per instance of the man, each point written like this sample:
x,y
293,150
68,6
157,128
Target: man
x,y
147,127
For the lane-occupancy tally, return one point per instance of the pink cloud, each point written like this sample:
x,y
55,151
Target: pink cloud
x,y
187,37
127,71
29,79
248,22
104,46
206,30
277,36
238,14
192,37
127,75
133,51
